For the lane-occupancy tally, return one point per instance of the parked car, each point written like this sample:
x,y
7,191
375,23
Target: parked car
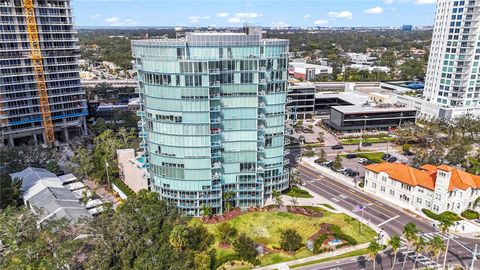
x,y
328,163
362,160
408,153
351,155
342,170
338,146
386,156
367,144
351,172
392,159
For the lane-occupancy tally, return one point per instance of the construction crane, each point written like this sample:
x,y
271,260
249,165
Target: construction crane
x,y
36,54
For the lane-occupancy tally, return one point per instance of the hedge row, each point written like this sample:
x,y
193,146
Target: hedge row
x,y
445,215
337,232
123,187
470,214
232,257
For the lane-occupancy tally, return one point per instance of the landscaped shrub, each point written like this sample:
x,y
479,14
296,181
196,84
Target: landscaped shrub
x,y
290,240
123,187
470,214
317,245
337,232
232,257
445,215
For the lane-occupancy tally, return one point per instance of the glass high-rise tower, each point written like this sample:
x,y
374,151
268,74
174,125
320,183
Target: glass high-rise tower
x,y
452,78
213,118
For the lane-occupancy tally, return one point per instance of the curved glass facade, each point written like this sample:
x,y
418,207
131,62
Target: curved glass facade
x,y
213,114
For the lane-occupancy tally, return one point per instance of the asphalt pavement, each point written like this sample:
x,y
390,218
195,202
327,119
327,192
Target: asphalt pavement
x,y
391,219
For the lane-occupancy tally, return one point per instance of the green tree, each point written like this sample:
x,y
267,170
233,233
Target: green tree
x,y
225,232
395,245
178,237
138,236
373,249
17,158
420,247
337,163
322,157
294,177
437,247
52,166
54,245
244,246
290,240
227,197
277,198
410,232
203,261
10,191
206,210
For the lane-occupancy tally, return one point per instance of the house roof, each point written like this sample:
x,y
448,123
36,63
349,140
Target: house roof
x,y
458,180
427,176
404,174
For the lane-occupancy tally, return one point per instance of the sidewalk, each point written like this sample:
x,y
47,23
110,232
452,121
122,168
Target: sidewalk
x,y
285,265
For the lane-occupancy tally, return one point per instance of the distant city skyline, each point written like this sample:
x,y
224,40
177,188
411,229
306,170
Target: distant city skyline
x,y
266,13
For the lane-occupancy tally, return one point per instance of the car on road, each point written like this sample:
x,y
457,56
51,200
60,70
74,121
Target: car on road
x,y
351,155
336,147
367,144
392,159
386,156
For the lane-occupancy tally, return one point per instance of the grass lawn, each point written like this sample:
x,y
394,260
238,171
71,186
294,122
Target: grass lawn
x,y
266,227
338,257
370,140
328,206
375,157
297,192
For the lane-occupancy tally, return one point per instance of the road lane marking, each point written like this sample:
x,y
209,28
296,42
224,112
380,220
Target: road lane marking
x,y
386,221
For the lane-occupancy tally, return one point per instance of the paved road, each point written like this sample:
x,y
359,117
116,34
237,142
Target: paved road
x,y
390,219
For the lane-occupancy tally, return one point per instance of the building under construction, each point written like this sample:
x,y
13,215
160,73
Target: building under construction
x,y
40,95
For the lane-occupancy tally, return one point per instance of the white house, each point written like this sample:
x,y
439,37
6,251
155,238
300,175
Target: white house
x,y
438,188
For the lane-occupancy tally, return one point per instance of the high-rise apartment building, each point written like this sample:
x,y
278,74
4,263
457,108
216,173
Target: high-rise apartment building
x,y
39,79
453,68
213,118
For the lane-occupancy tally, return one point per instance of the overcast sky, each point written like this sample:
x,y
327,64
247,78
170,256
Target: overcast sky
x,y
260,12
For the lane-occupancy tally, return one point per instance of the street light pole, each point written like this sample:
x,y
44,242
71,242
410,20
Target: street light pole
x,y
108,177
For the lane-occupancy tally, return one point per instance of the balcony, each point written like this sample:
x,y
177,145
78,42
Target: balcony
x,y
286,152
262,93
216,144
143,145
217,165
142,134
286,162
215,97
216,154
216,120
141,124
141,113
215,109
262,105
216,176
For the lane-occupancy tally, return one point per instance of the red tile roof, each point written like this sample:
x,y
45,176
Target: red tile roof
x,y
404,173
459,179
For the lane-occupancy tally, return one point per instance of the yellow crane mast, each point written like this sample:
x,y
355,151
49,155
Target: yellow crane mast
x,y
29,11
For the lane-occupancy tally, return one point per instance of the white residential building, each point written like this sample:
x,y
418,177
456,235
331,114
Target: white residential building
x,y
437,188
452,78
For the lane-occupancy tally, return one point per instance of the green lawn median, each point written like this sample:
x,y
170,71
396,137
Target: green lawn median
x,y
354,253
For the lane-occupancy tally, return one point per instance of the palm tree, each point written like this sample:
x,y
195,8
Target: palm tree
x,y
437,246
294,177
178,237
277,197
444,226
395,245
227,196
410,232
420,246
206,210
373,249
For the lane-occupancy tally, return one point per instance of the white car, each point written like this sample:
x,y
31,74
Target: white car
x,y
362,160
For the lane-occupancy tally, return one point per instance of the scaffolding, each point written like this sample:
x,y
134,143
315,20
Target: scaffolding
x,y
37,62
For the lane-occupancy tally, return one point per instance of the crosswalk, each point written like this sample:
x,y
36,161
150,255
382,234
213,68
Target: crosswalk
x,y
426,261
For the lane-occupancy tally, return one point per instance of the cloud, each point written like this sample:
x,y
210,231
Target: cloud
x,y
234,20
247,15
206,17
222,14
116,21
96,16
388,2
194,19
342,14
306,16
320,22
374,10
